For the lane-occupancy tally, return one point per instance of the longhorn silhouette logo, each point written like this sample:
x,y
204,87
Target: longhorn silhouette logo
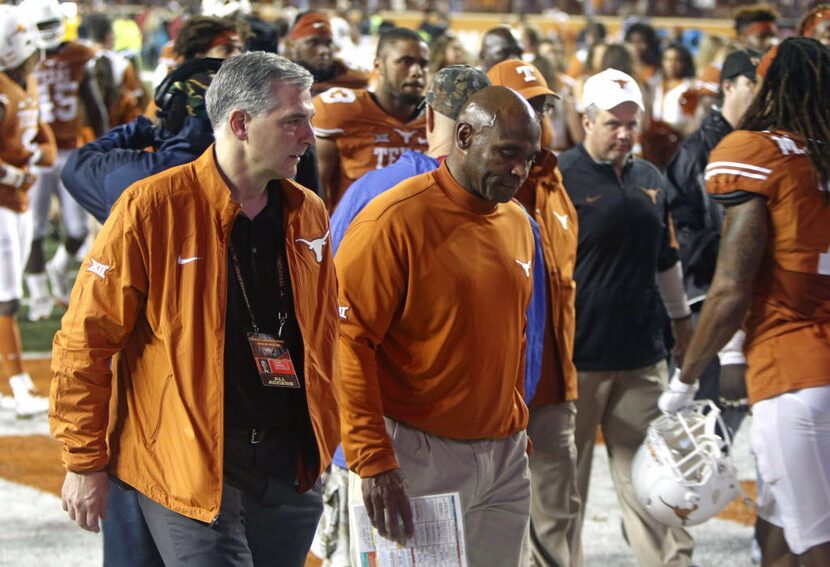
x,y
316,245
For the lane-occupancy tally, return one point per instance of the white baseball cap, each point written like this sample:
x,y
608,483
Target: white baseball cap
x,y
610,88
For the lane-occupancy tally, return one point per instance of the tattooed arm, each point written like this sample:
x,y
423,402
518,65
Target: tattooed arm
x,y
742,250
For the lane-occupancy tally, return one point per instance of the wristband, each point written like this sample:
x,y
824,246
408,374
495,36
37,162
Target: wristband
x,y
13,176
670,285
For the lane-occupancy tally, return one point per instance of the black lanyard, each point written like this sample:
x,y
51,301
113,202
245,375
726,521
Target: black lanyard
x,y
283,317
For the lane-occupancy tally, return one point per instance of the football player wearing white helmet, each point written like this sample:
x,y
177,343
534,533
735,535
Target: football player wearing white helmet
x,y
49,19
24,142
69,101
773,279
682,472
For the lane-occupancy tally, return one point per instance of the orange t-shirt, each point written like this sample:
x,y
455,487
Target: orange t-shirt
x,y
434,288
367,137
58,78
22,135
788,324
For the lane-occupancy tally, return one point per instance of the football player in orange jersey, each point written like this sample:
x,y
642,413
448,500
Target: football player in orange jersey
x,y
24,141
68,92
358,130
773,278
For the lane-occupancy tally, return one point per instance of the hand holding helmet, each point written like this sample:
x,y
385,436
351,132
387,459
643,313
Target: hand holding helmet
x,y
678,395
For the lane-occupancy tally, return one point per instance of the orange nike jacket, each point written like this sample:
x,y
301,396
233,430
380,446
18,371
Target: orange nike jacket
x,y
154,417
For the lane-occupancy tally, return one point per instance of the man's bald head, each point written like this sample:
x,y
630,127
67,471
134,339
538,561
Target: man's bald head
x,y
485,106
497,135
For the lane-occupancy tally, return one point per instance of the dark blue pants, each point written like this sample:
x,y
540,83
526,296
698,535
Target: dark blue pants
x,y
273,529
127,540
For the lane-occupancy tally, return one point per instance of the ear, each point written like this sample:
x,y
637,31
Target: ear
x,y
238,124
430,116
377,62
586,123
463,135
725,86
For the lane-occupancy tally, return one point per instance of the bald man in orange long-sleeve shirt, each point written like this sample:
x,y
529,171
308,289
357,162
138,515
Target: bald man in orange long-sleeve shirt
x,y
435,280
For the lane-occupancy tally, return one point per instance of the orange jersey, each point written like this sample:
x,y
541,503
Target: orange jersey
x,y
59,77
788,325
23,135
366,136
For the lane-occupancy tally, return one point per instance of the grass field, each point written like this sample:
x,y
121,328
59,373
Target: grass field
x,y
37,337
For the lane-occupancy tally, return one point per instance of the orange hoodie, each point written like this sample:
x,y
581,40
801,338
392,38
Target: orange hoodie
x,y
162,321
435,284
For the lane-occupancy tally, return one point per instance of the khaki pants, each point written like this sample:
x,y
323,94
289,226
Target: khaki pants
x,y
624,403
555,523
491,476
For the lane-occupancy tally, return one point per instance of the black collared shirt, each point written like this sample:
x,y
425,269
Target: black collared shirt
x,y
624,240
259,245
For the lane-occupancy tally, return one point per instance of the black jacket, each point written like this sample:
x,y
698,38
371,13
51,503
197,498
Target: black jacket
x,y
624,240
697,216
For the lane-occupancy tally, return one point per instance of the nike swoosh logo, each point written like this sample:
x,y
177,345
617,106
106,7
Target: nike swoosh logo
x,y
593,198
184,261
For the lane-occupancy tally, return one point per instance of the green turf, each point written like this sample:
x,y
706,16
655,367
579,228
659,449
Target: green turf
x,y
37,337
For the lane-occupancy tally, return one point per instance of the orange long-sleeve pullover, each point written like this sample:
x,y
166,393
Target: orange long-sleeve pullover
x,y
434,287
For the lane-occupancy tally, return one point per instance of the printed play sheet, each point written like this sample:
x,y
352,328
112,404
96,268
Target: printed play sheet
x,y
438,541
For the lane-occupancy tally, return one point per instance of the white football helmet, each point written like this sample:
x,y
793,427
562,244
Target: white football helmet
x,y
18,37
682,473
49,19
225,8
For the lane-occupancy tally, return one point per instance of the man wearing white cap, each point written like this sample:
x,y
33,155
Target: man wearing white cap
x,y
627,261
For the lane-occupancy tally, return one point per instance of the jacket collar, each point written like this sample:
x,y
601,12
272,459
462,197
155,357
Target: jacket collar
x,y
218,193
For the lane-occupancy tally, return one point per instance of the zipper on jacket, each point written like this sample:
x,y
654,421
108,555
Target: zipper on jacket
x,y
225,238
214,521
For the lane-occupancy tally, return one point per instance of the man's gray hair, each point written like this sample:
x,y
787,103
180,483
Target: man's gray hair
x,y
592,112
245,82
